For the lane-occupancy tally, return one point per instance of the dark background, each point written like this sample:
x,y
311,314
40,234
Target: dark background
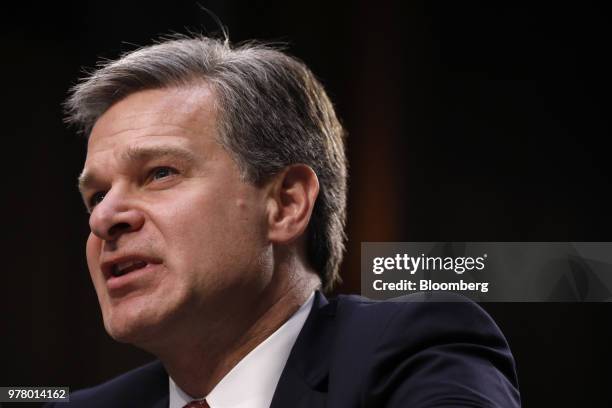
x,y
468,121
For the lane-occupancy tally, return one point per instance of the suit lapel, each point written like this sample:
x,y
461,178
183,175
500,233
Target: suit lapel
x,y
303,382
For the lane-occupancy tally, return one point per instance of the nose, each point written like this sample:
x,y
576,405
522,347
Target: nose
x,y
115,216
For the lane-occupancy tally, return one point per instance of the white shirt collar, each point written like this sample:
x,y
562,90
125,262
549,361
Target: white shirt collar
x,y
252,382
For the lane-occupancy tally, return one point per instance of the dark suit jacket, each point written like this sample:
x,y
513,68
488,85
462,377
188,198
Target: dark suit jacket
x,y
354,352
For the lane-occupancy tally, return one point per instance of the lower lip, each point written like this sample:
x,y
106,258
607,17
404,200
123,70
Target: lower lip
x,y
117,284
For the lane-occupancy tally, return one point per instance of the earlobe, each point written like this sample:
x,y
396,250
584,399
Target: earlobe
x,y
292,196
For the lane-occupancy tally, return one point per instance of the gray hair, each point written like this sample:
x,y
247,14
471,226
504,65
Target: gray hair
x,y
273,112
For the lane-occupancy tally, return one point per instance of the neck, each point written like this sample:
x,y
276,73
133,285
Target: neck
x,y
197,360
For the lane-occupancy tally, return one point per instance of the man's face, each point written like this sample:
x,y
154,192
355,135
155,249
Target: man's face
x,y
176,236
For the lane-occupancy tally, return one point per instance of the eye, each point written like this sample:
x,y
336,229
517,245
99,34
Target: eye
x,y
162,172
96,199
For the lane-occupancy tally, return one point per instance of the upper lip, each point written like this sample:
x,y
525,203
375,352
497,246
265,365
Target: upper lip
x,y
108,265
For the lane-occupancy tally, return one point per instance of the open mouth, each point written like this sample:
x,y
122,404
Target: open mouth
x,y
123,268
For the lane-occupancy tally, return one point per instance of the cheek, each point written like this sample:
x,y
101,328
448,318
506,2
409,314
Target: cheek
x,y
211,216
215,231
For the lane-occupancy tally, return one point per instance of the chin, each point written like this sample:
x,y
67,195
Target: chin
x,y
124,332
138,318
135,327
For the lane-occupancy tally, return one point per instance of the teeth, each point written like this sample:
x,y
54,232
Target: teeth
x,y
123,267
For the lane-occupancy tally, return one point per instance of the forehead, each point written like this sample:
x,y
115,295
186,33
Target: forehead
x,y
185,113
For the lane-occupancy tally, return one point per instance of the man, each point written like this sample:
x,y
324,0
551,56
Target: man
x,y
215,179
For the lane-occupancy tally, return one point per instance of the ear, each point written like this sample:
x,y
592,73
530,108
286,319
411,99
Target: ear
x,y
291,199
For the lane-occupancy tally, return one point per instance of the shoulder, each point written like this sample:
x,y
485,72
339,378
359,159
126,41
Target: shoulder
x,y
143,386
416,351
415,318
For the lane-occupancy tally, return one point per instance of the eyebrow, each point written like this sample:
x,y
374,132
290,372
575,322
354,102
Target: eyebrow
x,y
141,154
